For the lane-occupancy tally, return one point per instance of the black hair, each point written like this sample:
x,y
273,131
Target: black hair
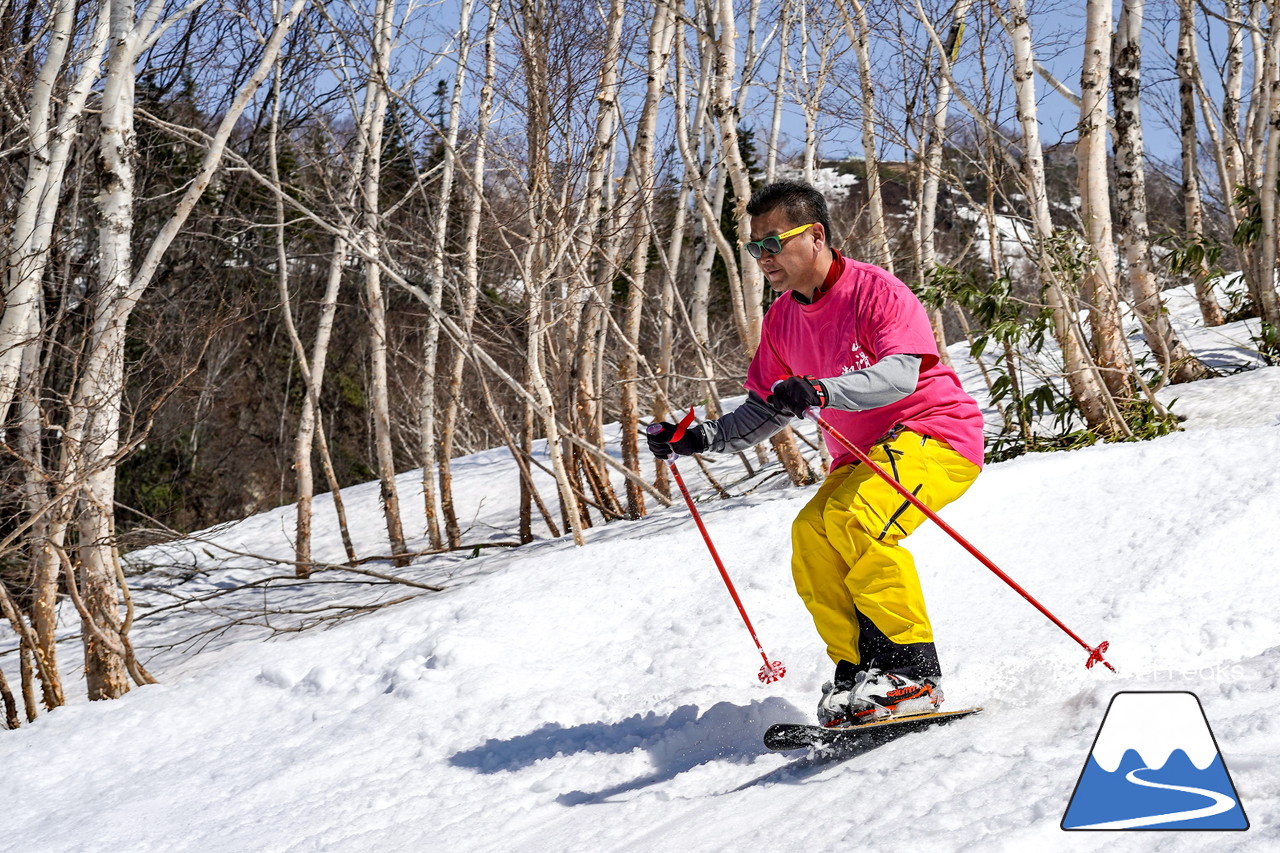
x,y
800,201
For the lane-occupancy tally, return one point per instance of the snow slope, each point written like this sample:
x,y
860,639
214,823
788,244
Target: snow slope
x,y
604,698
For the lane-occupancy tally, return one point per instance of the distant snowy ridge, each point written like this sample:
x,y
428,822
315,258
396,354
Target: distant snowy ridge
x,y
1154,725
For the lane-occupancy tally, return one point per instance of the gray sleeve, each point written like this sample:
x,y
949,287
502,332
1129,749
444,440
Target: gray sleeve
x,y
746,426
887,381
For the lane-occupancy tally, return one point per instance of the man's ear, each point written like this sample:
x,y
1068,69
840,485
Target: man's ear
x,y
824,239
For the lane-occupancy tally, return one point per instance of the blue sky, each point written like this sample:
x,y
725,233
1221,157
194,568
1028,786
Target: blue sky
x,y
1058,32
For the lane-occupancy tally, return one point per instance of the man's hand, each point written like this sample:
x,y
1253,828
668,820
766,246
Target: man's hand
x,y
796,394
659,437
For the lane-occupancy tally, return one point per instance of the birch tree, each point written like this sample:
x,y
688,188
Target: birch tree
x,y
932,167
1087,389
428,447
706,181
310,429
858,30
816,34
745,277
1192,203
91,442
598,249
1131,200
1233,170
537,259
371,237
779,89
1268,152
50,134
470,275
638,193
55,107
1100,286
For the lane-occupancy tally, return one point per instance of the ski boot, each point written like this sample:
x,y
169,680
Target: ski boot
x,y
863,696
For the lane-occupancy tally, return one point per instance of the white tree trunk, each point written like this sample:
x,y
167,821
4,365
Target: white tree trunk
x,y
371,236
1179,365
46,534
93,431
92,437
1101,282
470,275
536,259
1085,385
808,98
936,138
1265,292
746,284
1233,90
48,145
1254,134
859,32
779,89
600,247
428,445
687,130
313,368
1192,205
745,275
638,190
50,134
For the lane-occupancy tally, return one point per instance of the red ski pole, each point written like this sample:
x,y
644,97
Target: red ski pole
x,y
1095,652
772,670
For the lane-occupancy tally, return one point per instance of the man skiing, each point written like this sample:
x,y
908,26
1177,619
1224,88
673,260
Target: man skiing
x,y
852,339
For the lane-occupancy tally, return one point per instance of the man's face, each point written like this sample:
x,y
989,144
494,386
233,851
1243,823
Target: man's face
x,y
796,266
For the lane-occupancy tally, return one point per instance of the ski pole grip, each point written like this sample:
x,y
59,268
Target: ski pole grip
x,y
683,426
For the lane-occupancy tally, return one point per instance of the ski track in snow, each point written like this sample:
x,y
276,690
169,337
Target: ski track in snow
x,y
604,698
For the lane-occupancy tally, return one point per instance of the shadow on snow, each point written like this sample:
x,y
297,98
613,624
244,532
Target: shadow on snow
x,y
676,743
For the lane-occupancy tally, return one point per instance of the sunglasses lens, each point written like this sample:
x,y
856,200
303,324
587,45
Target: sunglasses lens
x,y
771,244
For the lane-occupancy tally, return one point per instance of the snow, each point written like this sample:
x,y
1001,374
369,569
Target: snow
x,y
555,698
1012,232
830,182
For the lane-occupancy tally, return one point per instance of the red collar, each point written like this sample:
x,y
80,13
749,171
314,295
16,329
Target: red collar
x,y
833,275
837,268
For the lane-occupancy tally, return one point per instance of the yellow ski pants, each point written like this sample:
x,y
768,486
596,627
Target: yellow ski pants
x,y
846,556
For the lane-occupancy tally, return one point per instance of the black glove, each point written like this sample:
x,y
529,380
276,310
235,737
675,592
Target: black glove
x,y
659,436
795,394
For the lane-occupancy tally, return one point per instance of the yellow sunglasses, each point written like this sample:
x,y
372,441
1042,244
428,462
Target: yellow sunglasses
x,y
773,243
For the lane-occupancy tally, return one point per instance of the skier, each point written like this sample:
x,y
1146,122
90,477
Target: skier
x,y
852,339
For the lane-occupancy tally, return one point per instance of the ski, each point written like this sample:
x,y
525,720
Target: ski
x,y
785,736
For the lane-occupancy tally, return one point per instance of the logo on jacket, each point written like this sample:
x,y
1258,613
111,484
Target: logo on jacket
x,y
861,360
1155,765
